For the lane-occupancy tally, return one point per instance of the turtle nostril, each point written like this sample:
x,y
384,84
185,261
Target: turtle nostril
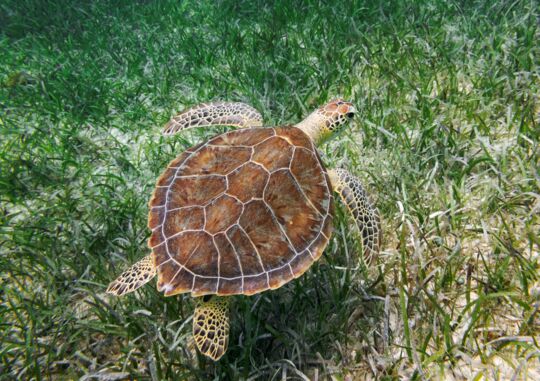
x,y
350,115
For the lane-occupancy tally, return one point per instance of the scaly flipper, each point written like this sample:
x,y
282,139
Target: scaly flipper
x,y
211,326
136,276
364,212
214,114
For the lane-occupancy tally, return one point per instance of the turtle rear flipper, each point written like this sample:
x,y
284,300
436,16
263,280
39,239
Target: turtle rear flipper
x,y
211,326
214,114
136,276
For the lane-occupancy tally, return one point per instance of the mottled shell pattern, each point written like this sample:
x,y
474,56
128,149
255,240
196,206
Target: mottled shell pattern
x,y
245,212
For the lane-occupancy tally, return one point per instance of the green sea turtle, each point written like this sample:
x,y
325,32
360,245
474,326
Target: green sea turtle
x,y
247,211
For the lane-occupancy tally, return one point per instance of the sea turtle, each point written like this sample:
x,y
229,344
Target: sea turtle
x,y
247,211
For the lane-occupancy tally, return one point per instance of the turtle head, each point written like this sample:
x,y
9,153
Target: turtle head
x,y
326,120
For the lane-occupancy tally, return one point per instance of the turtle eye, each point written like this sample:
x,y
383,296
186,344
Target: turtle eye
x,y
350,115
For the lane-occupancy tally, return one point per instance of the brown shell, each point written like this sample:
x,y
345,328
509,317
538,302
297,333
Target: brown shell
x,y
245,212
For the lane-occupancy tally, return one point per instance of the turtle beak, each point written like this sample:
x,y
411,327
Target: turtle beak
x,y
351,112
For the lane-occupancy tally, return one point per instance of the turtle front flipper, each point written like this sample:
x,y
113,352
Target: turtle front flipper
x,y
214,114
364,212
136,276
211,326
